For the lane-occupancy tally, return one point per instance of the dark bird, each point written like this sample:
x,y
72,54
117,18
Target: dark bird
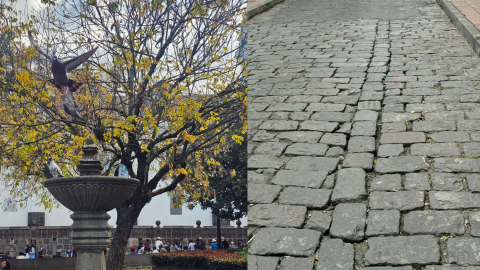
x,y
51,169
69,104
60,69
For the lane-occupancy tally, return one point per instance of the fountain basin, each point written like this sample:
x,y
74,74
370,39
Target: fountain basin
x,y
91,193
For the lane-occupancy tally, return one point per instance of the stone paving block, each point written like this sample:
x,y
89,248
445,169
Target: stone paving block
x,y
473,114
470,98
441,116
334,139
393,107
361,144
301,178
287,107
335,255
425,107
323,126
350,100
463,251
386,182
371,95
450,267
325,107
441,99
279,125
264,161
279,241
427,126
364,128
417,181
400,117
450,136
312,198
332,116
256,178
335,152
475,136
306,149
271,148
434,222
462,106
299,116
468,125
401,164
402,99
456,165
369,105
453,200
291,263
348,221
473,181
319,221
261,262
403,250
394,127
386,268
263,136
375,86
359,160
420,92
350,186
390,150
446,181
383,222
276,215
403,138
471,149
300,136
262,193
435,149
474,219
366,116
345,128
401,200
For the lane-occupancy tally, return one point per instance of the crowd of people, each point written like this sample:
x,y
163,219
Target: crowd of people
x,y
163,246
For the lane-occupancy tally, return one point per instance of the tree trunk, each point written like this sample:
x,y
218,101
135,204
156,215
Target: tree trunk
x,y
126,217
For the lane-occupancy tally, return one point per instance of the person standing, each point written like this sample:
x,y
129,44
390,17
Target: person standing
x,y
201,244
214,246
159,243
224,243
191,246
6,265
7,255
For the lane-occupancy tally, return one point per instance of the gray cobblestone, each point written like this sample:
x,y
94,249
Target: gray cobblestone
x,y
361,144
348,221
435,149
274,215
434,222
261,193
453,200
277,241
306,149
383,222
401,200
427,126
335,255
463,251
386,182
312,163
312,179
350,186
312,198
319,221
359,160
364,128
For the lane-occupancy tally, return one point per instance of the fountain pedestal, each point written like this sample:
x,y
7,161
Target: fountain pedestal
x,y
90,196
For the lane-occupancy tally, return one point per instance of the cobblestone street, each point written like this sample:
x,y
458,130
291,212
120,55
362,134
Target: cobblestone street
x,y
364,138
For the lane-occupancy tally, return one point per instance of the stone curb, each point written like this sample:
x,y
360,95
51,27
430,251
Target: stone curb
x,y
467,29
262,7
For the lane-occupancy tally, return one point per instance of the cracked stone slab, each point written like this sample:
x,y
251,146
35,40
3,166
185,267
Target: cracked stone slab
x,y
261,193
435,149
350,186
463,251
401,200
403,250
335,255
401,164
311,179
383,222
276,215
279,241
348,221
434,222
296,263
260,262
312,163
319,221
312,198
453,200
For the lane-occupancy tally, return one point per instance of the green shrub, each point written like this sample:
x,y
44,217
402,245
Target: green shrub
x,y
202,259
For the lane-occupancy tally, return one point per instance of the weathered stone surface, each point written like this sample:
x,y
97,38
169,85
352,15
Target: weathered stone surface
x,y
453,200
261,193
361,144
471,149
468,125
335,152
332,116
446,181
449,267
276,215
386,182
463,251
359,160
271,148
323,126
312,164
306,149
474,219
450,136
286,107
456,165
390,150
401,164
403,138
394,127
434,222
281,125
344,128
369,105
325,107
296,263
350,186
427,126
334,139
385,268
435,149
351,100
364,128
312,198
393,107
264,161
403,250
371,95
425,107
401,200
399,117
402,99
256,178
473,181
366,116
311,179
417,181
279,241
261,262
348,221
335,255
383,222
300,136
319,221
447,115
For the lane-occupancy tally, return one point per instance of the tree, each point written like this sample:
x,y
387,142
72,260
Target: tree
x,y
163,90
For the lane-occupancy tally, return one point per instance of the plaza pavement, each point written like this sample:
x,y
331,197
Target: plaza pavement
x,y
364,138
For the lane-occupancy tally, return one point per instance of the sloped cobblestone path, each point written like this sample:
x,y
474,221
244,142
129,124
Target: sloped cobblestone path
x,y
364,138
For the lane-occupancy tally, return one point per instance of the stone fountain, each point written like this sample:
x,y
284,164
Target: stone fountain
x,y
90,196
